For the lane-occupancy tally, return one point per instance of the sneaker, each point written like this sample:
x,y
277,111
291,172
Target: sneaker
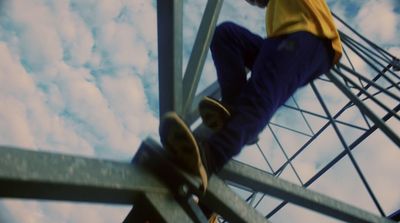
x,y
178,139
213,113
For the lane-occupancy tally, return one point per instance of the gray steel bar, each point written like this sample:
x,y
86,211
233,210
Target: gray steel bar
x,y
388,131
157,208
338,157
347,39
166,209
43,175
379,49
289,129
322,117
260,181
218,197
285,154
303,116
169,25
376,78
199,52
371,97
369,82
348,151
379,92
228,204
364,56
265,158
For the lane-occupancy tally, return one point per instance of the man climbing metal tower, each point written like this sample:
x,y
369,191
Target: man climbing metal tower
x,y
302,43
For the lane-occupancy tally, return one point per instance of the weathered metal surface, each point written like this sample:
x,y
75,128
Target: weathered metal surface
x,y
43,175
157,208
217,194
365,109
169,30
261,181
199,52
220,198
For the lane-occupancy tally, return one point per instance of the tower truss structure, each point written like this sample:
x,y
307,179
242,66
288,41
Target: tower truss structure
x,y
357,100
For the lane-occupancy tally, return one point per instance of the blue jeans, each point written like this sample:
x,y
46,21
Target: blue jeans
x,y
279,66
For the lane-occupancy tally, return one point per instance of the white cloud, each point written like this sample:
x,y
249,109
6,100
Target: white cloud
x,y
395,51
38,41
54,97
80,77
377,20
45,211
120,42
25,119
77,39
126,96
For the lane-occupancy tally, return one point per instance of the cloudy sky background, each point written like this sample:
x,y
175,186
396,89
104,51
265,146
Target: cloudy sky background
x,y
80,77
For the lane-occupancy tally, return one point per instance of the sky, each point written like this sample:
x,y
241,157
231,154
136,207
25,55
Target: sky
x,y
80,77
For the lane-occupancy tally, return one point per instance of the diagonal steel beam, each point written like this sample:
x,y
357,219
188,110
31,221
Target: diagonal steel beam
x,y
44,175
228,204
218,196
340,156
365,109
199,52
261,181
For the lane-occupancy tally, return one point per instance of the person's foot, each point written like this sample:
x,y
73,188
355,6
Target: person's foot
x,y
213,113
178,139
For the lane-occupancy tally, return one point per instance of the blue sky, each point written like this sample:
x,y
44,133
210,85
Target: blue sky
x,y
80,77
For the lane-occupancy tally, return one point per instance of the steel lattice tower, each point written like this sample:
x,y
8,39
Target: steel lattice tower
x,y
344,108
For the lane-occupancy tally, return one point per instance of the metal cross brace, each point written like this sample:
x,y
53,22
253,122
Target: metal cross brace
x,y
183,185
221,199
261,181
51,176
44,175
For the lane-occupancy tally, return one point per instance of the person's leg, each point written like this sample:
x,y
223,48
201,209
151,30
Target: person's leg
x,y
283,65
233,48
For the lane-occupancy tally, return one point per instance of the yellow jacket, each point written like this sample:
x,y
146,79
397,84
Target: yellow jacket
x,y
314,16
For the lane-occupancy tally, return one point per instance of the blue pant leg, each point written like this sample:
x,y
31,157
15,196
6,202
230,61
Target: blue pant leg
x,y
283,65
233,48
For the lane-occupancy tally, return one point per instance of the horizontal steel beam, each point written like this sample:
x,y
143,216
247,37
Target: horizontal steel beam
x,y
261,181
44,175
